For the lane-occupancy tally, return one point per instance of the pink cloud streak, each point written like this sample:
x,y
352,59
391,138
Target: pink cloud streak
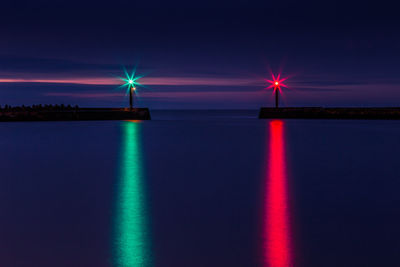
x,y
172,81
169,95
85,95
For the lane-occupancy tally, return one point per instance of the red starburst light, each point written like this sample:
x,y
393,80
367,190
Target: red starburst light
x,y
277,82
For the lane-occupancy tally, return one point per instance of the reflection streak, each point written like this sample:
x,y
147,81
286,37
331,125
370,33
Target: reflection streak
x,y
277,245
132,245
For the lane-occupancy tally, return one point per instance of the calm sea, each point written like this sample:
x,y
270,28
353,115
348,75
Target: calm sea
x,y
199,189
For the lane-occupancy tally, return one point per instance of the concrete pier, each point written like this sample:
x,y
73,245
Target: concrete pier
x,y
392,113
76,114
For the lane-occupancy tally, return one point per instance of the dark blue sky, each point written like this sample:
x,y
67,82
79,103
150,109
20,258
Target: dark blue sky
x,y
200,54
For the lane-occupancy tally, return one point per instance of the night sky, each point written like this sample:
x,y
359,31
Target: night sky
x,y
200,54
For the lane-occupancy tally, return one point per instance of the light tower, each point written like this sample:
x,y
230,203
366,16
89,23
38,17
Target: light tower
x,y
276,95
131,82
276,83
131,89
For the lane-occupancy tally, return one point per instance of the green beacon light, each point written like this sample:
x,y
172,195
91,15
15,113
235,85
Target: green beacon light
x,y
131,82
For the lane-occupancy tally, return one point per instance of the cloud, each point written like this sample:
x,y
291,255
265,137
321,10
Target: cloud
x,y
83,81
190,96
85,95
171,81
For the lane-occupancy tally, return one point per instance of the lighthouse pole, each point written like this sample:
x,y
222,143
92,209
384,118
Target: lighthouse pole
x,y
130,98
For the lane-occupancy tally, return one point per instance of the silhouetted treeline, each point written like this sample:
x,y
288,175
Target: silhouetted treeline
x,y
40,107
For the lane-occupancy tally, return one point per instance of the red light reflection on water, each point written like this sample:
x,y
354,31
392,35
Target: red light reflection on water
x,y
277,245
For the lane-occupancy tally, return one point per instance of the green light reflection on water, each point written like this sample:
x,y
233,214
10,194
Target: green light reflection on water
x,y
132,240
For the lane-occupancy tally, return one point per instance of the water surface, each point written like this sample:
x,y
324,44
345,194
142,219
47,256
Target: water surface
x,y
213,190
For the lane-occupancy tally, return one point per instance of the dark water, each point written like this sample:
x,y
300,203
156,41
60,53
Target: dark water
x,y
223,190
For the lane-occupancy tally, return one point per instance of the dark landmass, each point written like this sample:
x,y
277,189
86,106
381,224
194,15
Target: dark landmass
x,y
330,113
69,113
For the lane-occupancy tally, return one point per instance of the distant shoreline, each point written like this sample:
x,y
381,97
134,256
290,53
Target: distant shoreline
x,y
68,113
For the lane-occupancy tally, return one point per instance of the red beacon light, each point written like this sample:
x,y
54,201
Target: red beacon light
x,y
276,83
